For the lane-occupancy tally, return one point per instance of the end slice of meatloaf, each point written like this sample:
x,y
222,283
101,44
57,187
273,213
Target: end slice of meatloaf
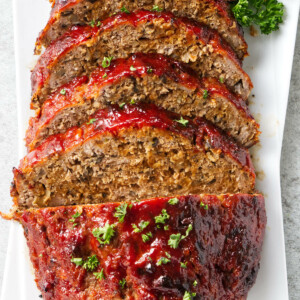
x,y
216,14
143,77
207,246
81,49
133,152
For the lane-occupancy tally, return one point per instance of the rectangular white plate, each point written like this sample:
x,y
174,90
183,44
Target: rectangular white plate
x,y
269,66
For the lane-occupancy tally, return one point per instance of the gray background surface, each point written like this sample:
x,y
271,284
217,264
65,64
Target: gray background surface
x,y
290,161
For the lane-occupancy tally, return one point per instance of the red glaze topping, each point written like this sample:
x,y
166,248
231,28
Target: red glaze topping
x,y
217,255
83,89
114,119
82,34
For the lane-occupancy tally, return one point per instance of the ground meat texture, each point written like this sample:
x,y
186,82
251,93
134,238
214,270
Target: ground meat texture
x,y
221,248
81,49
132,153
150,78
215,14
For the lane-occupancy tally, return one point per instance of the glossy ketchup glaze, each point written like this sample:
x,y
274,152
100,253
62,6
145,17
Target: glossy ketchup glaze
x,y
113,119
82,34
84,89
217,255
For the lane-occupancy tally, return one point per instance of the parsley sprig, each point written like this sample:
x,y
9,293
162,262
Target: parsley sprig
x,y
139,228
175,239
267,14
121,211
90,264
162,217
104,234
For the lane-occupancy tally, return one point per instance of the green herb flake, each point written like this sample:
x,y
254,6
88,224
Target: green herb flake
x,y
162,260
205,206
168,255
105,75
125,10
91,121
99,24
62,91
121,105
142,225
166,227
40,255
188,296
106,61
175,239
221,79
122,283
91,263
149,70
162,217
156,8
77,261
182,121
74,217
132,101
267,14
183,265
205,94
173,201
92,23
99,275
149,258
195,283
132,68
146,237
104,234
121,211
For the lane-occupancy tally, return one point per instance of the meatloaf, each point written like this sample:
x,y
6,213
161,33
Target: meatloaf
x,y
133,152
188,247
143,77
81,49
216,14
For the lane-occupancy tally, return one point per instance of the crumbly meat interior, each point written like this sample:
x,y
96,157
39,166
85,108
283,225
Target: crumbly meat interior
x,y
164,93
136,164
156,36
205,12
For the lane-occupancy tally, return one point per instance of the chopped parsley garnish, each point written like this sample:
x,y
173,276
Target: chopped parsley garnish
x,y
99,24
122,283
204,205
92,23
221,79
106,61
188,296
142,225
195,283
121,211
132,101
162,217
77,261
99,275
166,227
183,265
63,91
267,14
175,239
156,8
125,10
149,70
164,260
132,68
91,121
40,255
205,94
74,217
104,234
105,75
149,258
182,121
91,263
122,105
173,201
146,237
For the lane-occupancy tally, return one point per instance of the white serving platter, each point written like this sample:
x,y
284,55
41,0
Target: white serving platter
x,y
269,66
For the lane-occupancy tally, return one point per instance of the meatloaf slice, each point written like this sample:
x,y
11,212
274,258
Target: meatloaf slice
x,y
81,49
216,14
207,246
130,153
147,77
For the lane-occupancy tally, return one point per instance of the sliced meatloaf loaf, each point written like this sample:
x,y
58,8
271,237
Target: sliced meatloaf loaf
x,y
216,14
147,77
130,153
81,49
188,247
